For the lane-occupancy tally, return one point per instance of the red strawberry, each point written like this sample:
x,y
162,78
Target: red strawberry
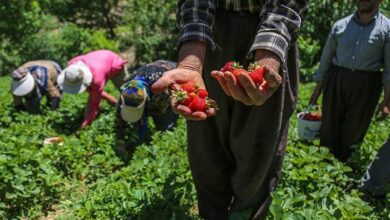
x,y
189,86
230,66
202,93
197,104
237,72
188,100
257,75
312,116
183,97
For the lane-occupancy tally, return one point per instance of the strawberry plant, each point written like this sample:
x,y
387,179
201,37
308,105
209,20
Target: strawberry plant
x,y
85,179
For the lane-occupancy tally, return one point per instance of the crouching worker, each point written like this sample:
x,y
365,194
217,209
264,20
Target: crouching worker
x,y
32,81
90,72
137,104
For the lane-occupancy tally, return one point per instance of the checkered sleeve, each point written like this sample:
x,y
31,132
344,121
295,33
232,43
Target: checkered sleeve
x,y
279,26
195,20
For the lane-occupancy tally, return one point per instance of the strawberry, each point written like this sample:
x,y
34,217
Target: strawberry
x,y
257,75
197,100
202,93
197,104
189,86
312,116
183,97
237,72
230,66
188,100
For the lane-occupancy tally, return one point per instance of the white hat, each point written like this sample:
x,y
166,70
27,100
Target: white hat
x,y
75,78
23,86
129,112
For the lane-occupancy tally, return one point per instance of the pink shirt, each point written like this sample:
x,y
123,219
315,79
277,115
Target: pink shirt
x,y
104,64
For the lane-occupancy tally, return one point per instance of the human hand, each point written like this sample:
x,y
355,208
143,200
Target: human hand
x,y
84,125
171,80
316,93
248,93
109,98
382,111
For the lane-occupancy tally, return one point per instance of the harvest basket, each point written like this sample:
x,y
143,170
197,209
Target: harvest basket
x,y
307,129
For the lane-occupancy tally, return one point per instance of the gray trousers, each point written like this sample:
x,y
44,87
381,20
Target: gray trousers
x,y
377,176
236,156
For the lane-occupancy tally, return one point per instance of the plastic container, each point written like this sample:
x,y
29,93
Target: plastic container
x,y
53,140
308,130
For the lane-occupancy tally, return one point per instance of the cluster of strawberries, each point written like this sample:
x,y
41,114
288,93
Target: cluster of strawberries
x,y
312,116
255,72
194,97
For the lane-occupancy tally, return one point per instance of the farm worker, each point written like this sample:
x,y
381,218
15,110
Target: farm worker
x,y
236,156
90,72
351,77
32,81
376,180
137,103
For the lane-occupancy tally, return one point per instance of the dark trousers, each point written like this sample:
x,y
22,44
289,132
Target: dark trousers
x,y
349,102
236,156
377,176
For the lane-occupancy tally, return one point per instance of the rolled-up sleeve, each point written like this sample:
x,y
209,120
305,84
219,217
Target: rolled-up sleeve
x,y
327,55
279,26
386,66
195,20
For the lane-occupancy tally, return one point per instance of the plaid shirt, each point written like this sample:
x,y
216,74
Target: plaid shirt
x,y
280,21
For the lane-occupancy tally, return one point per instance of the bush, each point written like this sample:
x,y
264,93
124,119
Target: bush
x,y
309,64
62,43
151,29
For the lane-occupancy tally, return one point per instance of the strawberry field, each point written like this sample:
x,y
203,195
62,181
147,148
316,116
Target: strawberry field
x,y
85,179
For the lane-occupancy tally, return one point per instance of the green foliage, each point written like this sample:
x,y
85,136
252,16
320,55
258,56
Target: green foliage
x,y
84,175
85,179
315,185
307,48
156,184
59,44
321,16
40,35
98,14
18,19
151,29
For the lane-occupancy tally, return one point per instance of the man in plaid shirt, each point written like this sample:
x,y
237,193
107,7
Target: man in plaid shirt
x,y
236,156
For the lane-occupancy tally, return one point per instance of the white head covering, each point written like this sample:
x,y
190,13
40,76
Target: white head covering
x,y
75,78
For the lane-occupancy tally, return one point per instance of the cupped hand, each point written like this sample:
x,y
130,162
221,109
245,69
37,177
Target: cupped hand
x,y
248,93
171,80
